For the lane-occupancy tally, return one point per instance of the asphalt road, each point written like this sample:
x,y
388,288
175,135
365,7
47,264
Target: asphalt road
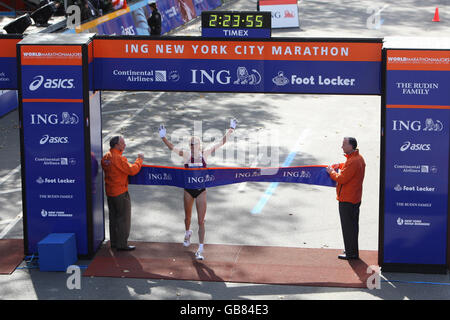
x,y
311,127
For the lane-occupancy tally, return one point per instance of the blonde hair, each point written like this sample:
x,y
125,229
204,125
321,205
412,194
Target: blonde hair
x,y
195,140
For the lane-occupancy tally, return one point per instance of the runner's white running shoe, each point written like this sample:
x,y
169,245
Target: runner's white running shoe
x,y
199,255
187,238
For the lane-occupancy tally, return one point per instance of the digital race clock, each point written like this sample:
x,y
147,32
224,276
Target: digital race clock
x,y
236,24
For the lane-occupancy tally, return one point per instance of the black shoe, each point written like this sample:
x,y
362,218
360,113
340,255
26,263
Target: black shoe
x,y
127,248
344,256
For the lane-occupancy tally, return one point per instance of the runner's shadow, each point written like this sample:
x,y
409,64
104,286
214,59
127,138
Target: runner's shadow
x,y
205,273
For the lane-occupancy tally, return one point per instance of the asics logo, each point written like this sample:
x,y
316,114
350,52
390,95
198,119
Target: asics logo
x,y
51,83
36,83
57,140
407,145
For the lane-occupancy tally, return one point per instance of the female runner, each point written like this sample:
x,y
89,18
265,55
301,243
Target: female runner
x,y
195,157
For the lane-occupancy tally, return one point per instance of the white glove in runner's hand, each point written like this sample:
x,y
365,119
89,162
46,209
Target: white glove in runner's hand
x,y
233,123
162,131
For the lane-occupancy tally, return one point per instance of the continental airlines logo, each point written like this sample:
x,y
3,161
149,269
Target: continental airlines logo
x,y
48,83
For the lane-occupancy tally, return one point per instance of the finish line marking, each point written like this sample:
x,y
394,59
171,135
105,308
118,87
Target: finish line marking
x,y
273,185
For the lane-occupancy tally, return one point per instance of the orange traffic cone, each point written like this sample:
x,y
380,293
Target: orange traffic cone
x,y
436,15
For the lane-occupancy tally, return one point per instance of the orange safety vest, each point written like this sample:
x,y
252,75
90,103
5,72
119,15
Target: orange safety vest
x,y
350,178
117,169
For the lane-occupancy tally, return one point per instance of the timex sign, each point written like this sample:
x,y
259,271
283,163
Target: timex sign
x,y
236,24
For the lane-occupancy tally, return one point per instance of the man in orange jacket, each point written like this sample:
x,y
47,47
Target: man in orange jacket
x,y
117,169
349,192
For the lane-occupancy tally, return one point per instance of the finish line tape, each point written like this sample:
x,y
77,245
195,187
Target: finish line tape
x,y
212,177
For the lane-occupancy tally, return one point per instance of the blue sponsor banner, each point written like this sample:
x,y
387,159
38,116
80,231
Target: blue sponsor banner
x,y
417,87
213,177
8,101
235,33
417,135
123,24
8,73
343,77
53,143
55,171
197,64
51,82
202,5
238,76
171,17
416,186
96,171
133,20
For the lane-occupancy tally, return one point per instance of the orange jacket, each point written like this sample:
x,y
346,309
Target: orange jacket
x,y
350,179
117,169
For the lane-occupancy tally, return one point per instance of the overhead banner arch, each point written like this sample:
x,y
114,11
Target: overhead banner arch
x,y
59,78
280,65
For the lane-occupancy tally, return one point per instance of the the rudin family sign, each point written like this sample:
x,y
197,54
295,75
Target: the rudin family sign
x,y
59,79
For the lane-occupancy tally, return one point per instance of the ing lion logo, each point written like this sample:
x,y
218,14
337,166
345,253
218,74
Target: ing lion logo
x,y
431,125
244,77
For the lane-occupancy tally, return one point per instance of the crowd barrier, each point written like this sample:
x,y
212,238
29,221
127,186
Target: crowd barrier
x,y
133,19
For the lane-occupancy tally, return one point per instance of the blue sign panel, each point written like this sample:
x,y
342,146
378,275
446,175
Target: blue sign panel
x,y
8,73
238,76
51,82
417,135
55,179
54,143
8,62
212,177
95,127
240,66
8,101
235,33
416,186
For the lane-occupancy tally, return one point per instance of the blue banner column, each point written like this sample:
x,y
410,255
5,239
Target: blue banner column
x,y
61,146
8,72
414,188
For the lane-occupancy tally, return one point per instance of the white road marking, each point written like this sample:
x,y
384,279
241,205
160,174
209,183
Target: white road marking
x,y
11,225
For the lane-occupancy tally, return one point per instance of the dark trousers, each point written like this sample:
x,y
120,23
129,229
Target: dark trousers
x,y
349,214
119,220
